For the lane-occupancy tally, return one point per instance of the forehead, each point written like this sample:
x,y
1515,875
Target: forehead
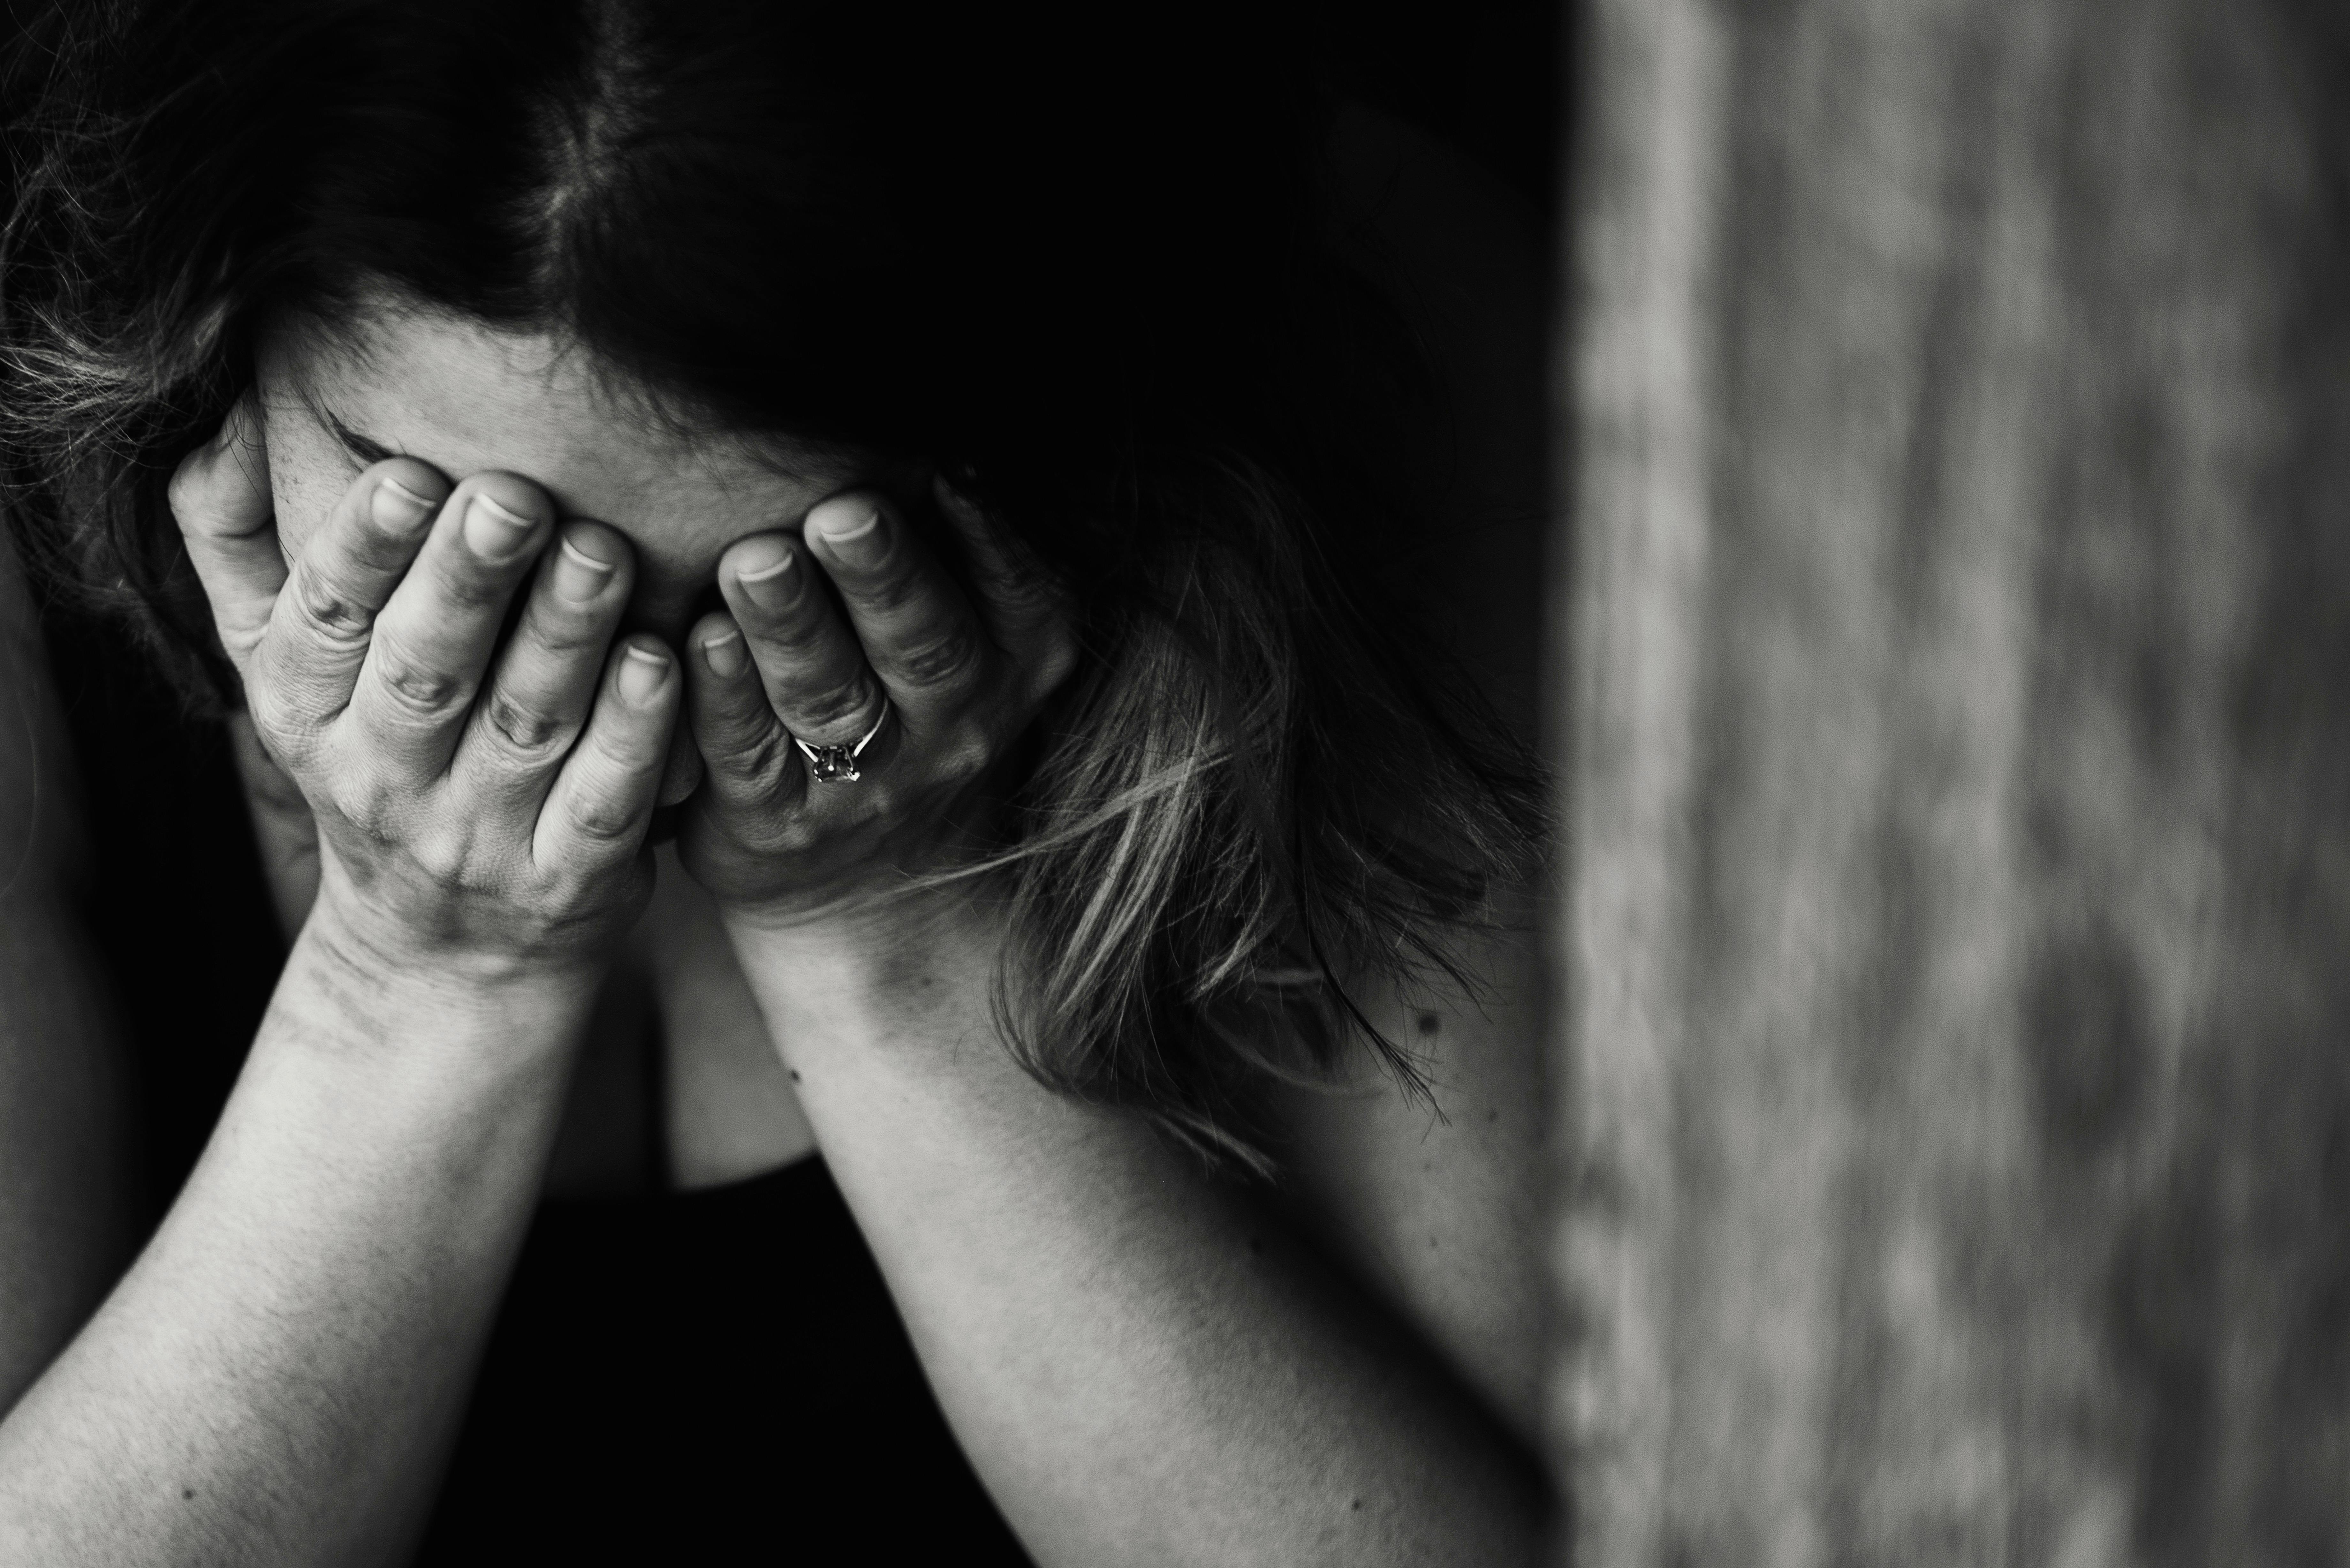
x,y
466,398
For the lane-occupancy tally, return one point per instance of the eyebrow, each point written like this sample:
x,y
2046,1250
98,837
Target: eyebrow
x,y
366,448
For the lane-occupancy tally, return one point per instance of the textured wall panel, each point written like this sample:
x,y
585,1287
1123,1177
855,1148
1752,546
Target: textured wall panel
x,y
1956,711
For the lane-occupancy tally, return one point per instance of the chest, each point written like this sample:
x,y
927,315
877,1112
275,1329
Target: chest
x,y
679,1085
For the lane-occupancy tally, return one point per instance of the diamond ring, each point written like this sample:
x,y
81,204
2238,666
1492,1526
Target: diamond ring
x,y
838,764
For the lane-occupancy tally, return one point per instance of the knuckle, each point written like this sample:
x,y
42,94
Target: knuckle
x,y
600,815
365,798
896,587
530,733
1019,594
837,706
1040,609
799,638
442,854
948,655
965,753
414,684
758,756
330,610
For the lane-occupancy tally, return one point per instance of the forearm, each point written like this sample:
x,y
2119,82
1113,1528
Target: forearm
x,y
1143,1366
277,1377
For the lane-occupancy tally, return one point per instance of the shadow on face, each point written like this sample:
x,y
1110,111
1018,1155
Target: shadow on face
x,y
467,399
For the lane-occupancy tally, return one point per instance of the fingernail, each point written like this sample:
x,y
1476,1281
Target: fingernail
x,y
855,535
396,507
578,576
771,583
493,532
724,653
643,671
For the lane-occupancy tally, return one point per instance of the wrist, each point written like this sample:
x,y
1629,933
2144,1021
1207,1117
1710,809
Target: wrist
x,y
876,972
440,943
350,982
812,901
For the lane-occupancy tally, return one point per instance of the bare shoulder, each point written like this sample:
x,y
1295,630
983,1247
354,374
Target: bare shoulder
x,y
1435,1203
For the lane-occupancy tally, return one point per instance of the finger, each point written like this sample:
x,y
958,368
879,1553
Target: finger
x,y
220,497
919,633
538,697
307,663
433,640
748,753
816,675
603,798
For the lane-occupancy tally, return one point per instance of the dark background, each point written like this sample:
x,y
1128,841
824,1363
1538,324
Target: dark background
x,y
1485,78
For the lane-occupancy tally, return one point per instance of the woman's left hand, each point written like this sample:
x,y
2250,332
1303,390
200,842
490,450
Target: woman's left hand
x,y
896,655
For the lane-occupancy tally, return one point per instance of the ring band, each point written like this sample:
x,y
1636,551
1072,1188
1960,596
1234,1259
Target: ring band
x,y
838,764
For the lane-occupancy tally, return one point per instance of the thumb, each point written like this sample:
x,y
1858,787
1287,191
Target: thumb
x,y
220,497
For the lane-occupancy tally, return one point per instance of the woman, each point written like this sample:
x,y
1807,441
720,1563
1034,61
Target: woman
x,y
969,503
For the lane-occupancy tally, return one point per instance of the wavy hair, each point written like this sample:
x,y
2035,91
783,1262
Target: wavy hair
x,y
1108,296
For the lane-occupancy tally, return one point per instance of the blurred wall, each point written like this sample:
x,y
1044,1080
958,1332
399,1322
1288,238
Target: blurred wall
x,y
1955,706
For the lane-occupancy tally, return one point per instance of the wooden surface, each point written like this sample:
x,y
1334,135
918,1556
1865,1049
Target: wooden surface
x,y
1955,706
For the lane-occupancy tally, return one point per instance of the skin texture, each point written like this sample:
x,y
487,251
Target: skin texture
x,y
277,1377
1146,1364
465,400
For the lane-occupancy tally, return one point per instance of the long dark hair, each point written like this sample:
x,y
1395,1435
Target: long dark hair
x,y
1085,261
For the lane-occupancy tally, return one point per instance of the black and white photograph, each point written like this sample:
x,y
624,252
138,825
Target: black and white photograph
x,y
1548,782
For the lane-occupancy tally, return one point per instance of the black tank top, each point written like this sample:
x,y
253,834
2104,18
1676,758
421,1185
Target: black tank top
x,y
709,1376
714,1376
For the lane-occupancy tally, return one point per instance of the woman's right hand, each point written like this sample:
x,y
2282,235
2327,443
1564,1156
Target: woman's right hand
x,y
479,805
